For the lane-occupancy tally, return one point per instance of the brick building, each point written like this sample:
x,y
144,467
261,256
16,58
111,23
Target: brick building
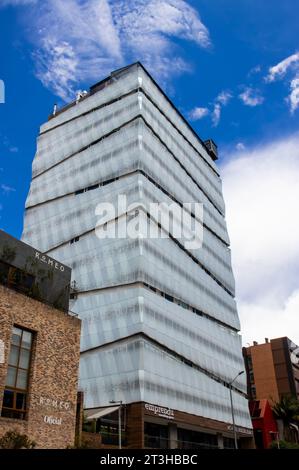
x,y
39,346
272,369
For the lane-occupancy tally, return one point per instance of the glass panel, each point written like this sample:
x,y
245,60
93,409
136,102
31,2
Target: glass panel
x,y
11,376
22,379
13,275
21,401
13,414
24,358
13,356
16,336
26,340
4,268
8,399
27,281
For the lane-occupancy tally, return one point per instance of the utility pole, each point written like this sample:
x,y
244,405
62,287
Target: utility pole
x,y
119,420
232,408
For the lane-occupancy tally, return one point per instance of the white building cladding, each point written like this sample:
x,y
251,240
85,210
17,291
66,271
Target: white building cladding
x,y
159,325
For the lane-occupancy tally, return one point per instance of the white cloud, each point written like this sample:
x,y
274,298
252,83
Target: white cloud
x,y
273,322
261,189
221,100
198,113
139,21
254,70
4,3
7,189
224,97
56,67
216,114
82,44
240,146
278,70
86,40
7,144
294,95
251,97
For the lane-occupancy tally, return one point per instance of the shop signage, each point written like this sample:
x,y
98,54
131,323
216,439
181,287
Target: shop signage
x,y
52,420
54,403
160,411
240,430
50,262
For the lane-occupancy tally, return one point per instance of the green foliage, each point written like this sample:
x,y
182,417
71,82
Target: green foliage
x,y
83,445
287,409
284,445
15,440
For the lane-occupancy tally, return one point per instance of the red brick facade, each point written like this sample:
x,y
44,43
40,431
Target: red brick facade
x,y
53,379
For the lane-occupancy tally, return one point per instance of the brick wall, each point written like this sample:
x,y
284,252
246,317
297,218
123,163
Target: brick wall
x,y
264,372
54,368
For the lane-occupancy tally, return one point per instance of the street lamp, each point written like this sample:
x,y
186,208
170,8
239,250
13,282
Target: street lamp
x,y
232,407
119,419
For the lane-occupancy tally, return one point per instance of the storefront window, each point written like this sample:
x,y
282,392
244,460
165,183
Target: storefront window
x,y
188,439
108,428
155,436
16,389
228,443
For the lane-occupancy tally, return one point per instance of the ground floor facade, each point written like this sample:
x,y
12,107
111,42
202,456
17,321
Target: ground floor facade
x,y
150,426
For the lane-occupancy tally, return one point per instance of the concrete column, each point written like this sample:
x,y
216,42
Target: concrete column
x,y
173,436
220,441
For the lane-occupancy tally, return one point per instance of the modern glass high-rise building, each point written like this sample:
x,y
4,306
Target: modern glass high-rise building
x,y
160,328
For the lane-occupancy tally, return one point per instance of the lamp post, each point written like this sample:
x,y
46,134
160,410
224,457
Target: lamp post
x,y
119,419
232,407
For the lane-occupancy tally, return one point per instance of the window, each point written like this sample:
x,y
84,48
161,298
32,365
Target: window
x,y
16,388
249,362
4,272
15,278
155,436
84,190
188,439
255,410
253,392
91,188
228,443
169,297
80,191
108,427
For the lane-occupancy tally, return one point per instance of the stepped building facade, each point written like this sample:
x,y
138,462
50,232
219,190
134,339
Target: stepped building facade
x,y
160,328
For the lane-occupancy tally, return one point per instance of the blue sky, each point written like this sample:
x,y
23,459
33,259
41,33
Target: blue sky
x,y
231,67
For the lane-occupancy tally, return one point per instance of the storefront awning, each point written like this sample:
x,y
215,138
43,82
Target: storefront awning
x,y
99,412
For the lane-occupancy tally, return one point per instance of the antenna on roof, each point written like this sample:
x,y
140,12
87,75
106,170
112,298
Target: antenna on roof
x,y
54,109
80,94
212,149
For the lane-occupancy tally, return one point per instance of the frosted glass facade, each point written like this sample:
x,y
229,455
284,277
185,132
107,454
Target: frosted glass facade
x,y
158,325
